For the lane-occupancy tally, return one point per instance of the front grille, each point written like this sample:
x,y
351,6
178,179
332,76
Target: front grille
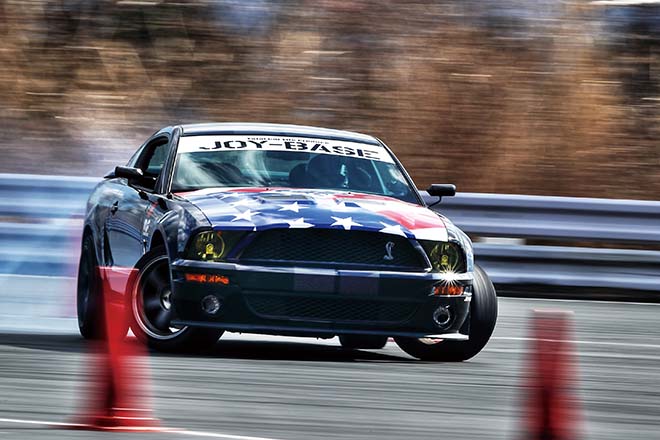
x,y
330,309
336,248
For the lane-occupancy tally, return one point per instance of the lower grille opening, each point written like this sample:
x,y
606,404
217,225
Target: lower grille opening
x,y
330,309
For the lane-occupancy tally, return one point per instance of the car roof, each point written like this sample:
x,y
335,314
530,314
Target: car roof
x,y
276,129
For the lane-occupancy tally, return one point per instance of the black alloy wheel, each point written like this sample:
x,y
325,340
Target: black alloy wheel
x,y
482,319
152,312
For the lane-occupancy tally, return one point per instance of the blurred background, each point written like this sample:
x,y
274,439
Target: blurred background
x,y
515,97
543,97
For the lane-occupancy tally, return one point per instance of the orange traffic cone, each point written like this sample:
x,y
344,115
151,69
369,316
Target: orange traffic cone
x,y
119,395
553,410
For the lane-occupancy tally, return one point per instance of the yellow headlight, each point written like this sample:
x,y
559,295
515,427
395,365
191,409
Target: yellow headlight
x,y
445,257
209,246
213,245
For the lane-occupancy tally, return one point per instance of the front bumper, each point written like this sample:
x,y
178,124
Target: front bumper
x,y
319,302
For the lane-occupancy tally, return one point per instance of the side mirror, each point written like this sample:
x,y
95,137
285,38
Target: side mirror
x,y
442,190
130,173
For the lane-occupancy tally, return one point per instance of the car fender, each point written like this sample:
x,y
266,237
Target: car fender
x,y
176,226
167,228
95,216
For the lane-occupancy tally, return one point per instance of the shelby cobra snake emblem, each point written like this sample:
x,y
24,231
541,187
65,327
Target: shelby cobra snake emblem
x,y
388,249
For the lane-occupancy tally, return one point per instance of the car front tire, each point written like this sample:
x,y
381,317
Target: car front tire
x,y
151,310
483,316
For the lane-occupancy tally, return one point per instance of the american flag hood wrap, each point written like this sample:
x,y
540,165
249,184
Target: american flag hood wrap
x,y
257,209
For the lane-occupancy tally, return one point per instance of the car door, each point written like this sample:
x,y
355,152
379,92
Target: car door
x,y
126,221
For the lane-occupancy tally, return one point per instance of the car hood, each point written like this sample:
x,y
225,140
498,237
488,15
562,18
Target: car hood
x,y
266,208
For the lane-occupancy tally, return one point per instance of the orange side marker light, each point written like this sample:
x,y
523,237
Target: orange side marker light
x,y
448,289
207,278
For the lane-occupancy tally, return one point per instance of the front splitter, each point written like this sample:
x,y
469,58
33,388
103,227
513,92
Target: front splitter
x,y
274,329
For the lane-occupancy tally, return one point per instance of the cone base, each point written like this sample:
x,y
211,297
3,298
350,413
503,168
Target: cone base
x,y
91,427
116,423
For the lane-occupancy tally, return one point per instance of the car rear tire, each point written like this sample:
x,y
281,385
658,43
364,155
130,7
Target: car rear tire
x,y
364,342
483,316
151,310
89,303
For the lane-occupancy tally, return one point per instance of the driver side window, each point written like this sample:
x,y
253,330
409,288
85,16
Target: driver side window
x,y
151,162
155,163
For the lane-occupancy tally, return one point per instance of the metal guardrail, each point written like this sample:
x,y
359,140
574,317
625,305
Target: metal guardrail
x,y
29,196
563,218
41,223
40,226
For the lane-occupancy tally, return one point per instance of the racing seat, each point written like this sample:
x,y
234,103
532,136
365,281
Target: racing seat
x,y
298,176
326,171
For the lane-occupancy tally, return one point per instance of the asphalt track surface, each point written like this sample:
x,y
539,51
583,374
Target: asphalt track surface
x,y
286,388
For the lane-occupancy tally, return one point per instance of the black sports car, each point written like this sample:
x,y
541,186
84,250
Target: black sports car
x,y
286,230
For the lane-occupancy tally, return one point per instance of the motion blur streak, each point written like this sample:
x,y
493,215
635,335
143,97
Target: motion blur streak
x,y
299,389
541,97
553,412
119,396
547,97
170,431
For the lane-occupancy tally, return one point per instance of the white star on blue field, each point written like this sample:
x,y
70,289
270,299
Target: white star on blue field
x,y
274,208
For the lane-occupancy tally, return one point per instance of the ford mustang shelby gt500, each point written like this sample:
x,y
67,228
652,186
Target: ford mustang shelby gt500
x,y
286,230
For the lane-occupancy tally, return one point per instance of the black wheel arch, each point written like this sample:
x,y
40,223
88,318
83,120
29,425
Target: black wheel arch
x,y
99,252
166,232
157,240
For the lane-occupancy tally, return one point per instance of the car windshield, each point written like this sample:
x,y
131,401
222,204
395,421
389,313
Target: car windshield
x,y
289,162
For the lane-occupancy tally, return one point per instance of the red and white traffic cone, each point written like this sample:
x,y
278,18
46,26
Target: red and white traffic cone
x,y
552,407
119,399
